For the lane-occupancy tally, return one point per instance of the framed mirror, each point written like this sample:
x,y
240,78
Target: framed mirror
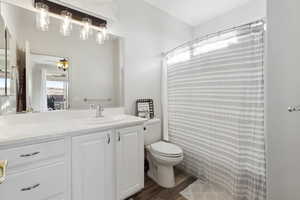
x,y
57,72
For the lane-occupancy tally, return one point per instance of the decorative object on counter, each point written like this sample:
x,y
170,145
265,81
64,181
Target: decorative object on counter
x,y
145,108
69,16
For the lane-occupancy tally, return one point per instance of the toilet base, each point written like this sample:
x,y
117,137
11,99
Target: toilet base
x,y
165,177
161,174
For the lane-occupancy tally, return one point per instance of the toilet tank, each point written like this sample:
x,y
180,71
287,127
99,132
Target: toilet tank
x,y
152,130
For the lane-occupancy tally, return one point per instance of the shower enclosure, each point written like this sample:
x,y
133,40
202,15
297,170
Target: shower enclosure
x,y
214,92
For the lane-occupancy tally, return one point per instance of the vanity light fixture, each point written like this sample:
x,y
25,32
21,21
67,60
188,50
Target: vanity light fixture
x,y
63,64
66,23
68,17
42,16
86,30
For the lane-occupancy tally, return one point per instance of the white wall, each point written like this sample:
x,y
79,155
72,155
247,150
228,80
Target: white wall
x,y
147,33
252,11
283,90
36,87
10,19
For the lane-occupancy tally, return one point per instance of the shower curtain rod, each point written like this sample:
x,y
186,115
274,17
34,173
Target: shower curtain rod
x,y
201,38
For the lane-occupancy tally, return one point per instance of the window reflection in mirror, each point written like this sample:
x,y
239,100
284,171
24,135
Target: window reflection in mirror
x,y
57,92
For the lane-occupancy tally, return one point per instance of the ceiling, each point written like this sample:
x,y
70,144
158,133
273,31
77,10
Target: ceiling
x,y
195,12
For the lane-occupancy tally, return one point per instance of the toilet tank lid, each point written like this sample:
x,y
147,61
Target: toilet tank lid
x,y
152,121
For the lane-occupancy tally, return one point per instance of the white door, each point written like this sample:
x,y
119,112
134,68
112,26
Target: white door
x,y
93,167
130,161
283,90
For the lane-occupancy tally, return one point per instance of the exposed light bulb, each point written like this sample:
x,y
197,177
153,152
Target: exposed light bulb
x,y
66,23
100,37
86,30
104,33
42,17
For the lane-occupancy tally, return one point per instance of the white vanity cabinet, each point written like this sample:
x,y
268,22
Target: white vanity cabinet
x,y
130,161
35,172
93,167
96,165
108,165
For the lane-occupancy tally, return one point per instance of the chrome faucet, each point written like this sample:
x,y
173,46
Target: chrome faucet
x,y
99,110
95,104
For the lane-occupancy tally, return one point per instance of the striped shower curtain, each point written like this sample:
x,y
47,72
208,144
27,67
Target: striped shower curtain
x,y
215,97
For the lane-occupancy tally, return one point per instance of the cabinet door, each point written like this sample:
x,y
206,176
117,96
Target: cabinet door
x,y
93,167
130,161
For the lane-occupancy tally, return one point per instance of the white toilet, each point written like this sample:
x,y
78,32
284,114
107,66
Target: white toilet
x,y
162,156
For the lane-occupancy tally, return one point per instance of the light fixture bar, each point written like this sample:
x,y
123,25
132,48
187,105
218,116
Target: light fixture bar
x,y
77,15
69,16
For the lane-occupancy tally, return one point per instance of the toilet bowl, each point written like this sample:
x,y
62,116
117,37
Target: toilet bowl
x,y
162,157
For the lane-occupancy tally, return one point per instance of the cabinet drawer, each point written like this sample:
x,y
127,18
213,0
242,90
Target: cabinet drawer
x,y
37,184
32,153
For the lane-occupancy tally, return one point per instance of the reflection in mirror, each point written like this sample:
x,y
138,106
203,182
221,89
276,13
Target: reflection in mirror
x,y
7,82
49,83
93,72
4,83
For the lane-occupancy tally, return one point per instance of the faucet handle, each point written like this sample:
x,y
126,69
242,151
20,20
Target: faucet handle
x,y
100,107
99,110
92,106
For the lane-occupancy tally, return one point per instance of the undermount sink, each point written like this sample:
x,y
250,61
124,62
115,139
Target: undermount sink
x,y
106,119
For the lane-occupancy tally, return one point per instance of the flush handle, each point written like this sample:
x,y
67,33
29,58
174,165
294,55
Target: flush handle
x,y
3,167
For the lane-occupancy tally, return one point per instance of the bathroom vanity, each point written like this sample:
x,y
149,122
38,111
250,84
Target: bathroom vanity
x,y
71,155
51,153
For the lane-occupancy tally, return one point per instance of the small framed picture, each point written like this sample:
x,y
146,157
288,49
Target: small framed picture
x,y
145,108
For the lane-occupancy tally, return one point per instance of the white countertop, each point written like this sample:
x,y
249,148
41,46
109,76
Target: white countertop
x,y
20,128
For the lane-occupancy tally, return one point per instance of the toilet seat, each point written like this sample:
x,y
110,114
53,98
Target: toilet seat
x,y
164,149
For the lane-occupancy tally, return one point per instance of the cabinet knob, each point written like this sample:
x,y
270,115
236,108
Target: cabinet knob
x,y
108,138
119,136
3,167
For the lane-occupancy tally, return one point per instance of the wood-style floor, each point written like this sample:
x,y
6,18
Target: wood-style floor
x,y
152,191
